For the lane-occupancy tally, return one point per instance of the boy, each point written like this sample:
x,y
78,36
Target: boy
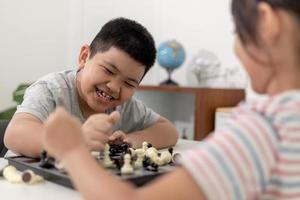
x,y
255,155
110,70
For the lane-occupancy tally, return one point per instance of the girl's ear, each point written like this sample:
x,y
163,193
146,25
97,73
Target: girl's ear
x,y
83,55
268,23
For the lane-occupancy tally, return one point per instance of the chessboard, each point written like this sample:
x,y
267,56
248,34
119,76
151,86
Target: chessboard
x,y
138,177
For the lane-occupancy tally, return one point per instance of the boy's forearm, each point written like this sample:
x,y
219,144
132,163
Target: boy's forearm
x,y
24,137
161,135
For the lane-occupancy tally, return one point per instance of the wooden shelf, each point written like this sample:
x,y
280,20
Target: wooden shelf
x,y
207,100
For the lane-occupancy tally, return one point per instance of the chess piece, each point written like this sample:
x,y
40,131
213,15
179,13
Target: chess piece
x,y
60,166
127,168
118,162
95,154
29,177
145,146
139,161
107,162
165,158
11,174
46,162
132,152
118,149
175,158
152,153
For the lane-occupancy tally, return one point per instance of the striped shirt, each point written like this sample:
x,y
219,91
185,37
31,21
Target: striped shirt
x,y
255,155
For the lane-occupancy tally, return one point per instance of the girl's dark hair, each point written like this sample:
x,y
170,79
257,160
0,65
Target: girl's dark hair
x,y
128,36
245,15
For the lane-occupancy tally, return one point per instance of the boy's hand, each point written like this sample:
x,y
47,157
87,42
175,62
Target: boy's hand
x,y
62,134
98,128
119,137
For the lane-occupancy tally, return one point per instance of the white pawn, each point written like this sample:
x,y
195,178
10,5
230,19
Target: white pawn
x,y
127,168
107,162
140,156
12,175
145,146
165,158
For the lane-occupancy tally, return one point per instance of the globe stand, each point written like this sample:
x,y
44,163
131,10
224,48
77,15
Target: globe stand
x,y
169,81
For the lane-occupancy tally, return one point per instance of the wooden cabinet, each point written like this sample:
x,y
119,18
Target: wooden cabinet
x,y
196,104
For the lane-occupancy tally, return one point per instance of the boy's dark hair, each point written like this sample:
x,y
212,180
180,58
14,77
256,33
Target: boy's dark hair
x,y
128,36
245,15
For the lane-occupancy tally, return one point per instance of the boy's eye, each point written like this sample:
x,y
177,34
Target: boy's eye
x,y
108,71
130,85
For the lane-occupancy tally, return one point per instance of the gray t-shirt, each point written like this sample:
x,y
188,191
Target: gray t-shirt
x,y
59,89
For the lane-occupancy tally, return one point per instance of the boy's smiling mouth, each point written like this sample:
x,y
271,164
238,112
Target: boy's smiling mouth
x,y
100,93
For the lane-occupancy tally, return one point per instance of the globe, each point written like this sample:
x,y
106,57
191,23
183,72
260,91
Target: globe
x,y
170,56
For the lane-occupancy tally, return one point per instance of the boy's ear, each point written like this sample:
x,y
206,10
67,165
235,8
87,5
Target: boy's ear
x,y
269,23
83,55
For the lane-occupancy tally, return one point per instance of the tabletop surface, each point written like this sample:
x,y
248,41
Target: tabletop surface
x,y
49,190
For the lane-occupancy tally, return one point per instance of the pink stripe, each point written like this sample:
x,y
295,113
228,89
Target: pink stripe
x,y
266,104
285,173
294,109
280,194
290,129
214,171
244,158
267,137
236,165
192,156
288,161
257,140
254,106
290,139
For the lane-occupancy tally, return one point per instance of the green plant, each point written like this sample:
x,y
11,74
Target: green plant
x,y
18,98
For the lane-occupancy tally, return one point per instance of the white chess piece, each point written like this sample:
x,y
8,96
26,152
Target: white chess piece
x,y
165,158
152,153
12,175
95,154
29,177
107,162
145,146
132,151
127,168
140,156
60,166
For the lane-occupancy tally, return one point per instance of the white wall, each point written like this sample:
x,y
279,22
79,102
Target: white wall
x,y
33,41
39,36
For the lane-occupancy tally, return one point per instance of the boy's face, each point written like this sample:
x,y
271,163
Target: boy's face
x,y
106,80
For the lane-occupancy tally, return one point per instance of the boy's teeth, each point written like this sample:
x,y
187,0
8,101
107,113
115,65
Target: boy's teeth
x,y
104,94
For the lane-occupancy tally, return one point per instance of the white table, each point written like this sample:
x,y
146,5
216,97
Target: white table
x,y
49,190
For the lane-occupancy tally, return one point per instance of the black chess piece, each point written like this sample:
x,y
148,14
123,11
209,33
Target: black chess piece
x,y
118,161
171,150
118,149
45,161
152,167
146,161
149,145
